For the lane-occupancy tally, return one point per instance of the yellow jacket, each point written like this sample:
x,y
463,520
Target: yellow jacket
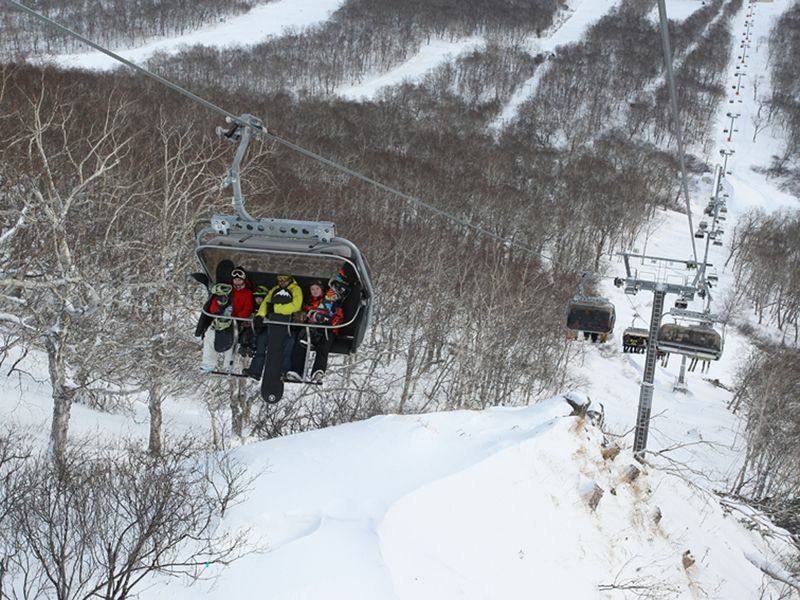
x,y
288,308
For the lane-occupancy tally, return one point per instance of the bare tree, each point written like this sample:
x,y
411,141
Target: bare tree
x,y
767,389
53,279
102,521
15,450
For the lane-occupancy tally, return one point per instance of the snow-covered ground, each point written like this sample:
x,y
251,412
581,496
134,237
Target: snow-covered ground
x,y
262,22
26,402
429,57
493,504
473,505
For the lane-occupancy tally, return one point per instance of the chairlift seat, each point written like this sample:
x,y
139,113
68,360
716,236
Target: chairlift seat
x,y
635,337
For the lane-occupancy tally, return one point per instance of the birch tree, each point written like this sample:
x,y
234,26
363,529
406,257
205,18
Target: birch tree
x,y
57,162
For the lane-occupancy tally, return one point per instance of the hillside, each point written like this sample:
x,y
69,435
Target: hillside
x,y
442,461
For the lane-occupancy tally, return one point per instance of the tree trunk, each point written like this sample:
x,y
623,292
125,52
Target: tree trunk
x,y
62,395
410,364
238,400
154,445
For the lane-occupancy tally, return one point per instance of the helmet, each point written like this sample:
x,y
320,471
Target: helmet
x,y
261,290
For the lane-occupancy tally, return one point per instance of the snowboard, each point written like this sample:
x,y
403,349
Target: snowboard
x,y
223,275
223,339
271,383
224,329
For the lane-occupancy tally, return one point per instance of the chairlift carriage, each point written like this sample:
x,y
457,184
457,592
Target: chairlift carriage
x,y
266,248
634,339
593,316
699,341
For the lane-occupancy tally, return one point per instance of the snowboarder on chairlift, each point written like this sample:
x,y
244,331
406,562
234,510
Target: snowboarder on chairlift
x,y
227,300
280,303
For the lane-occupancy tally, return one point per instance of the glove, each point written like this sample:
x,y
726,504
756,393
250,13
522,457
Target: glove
x,y
258,323
281,297
320,316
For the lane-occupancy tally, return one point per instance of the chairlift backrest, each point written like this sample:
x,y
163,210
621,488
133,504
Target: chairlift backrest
x,y
635,335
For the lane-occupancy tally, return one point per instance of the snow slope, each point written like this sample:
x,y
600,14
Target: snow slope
x,y
472,505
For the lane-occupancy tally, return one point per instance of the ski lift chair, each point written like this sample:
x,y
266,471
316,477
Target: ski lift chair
x,y
634,339
593,316
305,250
700,341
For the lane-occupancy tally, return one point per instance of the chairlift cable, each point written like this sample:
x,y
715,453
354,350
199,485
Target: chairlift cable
x,y
636,314
292,146
673,97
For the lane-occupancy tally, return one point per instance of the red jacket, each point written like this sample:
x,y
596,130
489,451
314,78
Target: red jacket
x,y
242,303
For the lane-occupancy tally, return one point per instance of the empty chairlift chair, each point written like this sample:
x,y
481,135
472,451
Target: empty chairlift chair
x,y
593,316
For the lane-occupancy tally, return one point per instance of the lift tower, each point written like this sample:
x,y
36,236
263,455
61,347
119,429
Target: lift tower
x,y
659,282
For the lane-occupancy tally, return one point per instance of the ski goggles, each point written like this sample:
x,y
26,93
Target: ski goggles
x,y
238,274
